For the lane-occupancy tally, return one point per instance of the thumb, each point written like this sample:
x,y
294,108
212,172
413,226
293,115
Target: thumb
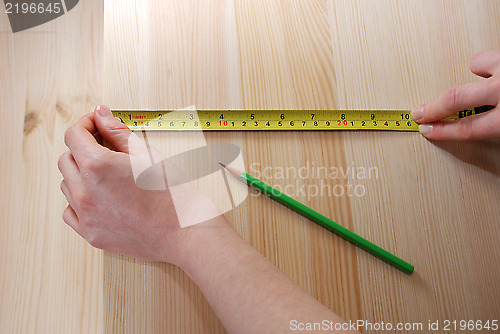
x,y
114,132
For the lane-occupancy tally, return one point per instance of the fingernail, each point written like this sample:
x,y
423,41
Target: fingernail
x,y
425,129
417,113
104,111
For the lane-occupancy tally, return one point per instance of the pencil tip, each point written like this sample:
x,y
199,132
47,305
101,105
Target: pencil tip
x,y
220,163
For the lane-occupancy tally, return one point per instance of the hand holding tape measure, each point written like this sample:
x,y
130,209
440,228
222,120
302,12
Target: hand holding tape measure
x,y
485,64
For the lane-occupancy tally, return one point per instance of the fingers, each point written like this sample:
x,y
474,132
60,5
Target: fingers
x,y
71,219
68,167
456,99
486,92
112,130
67,193
80,139
485,63
119,136
475,127
69,215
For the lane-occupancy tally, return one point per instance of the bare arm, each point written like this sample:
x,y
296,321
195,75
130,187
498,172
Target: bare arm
x,y
246,291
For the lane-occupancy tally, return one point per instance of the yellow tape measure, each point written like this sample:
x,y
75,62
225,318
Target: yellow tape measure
x,y
265,120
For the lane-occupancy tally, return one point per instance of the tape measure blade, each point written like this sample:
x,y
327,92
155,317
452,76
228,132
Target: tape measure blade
x,y
267,120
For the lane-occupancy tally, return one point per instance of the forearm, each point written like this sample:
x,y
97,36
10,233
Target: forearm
x,y
247,292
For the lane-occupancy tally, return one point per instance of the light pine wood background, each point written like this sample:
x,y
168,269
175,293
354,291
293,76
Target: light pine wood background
x,y
50,279
434,204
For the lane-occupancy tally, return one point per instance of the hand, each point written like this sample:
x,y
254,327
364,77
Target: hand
x,y
106,207
109,209
486,92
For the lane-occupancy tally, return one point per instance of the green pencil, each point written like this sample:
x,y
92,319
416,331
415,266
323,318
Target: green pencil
x,y
320,219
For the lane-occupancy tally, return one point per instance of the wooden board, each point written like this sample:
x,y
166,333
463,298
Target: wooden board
x,y
50,281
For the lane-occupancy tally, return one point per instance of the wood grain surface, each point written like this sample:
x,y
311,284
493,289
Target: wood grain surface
x,y
50,278
433,204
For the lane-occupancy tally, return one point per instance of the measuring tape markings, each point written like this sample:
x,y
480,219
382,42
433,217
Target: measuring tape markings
x,y
262,120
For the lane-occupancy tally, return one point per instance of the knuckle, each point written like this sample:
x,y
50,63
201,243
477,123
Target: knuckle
x,y
88,165
66,216
473,133
95,241
117,127
68,134
466,131
61,159
493,88
88,224
451,97
101,158
437,132
83,201
59,162
91,239
92,164
477,57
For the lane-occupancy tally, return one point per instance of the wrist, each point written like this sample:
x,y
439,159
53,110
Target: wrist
x,y
192,241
